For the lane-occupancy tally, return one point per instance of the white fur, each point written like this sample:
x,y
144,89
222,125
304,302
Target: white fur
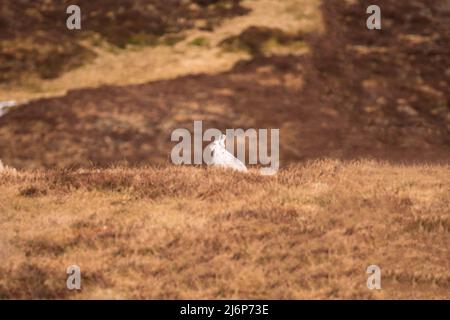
x,y
222,158
6,169
5,106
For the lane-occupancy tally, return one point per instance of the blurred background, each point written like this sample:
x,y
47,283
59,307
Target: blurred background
x,y
112,92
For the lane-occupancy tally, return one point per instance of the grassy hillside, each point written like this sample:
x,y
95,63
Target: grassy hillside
x,y
309,68
179,232
35,41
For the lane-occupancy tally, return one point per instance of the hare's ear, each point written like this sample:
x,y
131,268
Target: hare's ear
x,y
222,138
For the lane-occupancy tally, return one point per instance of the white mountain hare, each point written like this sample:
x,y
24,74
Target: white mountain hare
x,y
6,169
222,158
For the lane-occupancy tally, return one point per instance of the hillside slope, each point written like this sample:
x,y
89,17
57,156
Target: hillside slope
x,y
341,91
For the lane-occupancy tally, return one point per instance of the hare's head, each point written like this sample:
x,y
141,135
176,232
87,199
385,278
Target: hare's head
x,y
219,142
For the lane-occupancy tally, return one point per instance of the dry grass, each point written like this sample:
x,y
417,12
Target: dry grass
x,y
183,232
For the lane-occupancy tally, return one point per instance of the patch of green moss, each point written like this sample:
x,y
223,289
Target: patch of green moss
x,y
200,42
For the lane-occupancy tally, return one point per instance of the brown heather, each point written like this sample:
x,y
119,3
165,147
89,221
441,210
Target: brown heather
x,y
187,232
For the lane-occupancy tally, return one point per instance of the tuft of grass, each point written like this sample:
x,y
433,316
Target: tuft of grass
x,y
200,42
